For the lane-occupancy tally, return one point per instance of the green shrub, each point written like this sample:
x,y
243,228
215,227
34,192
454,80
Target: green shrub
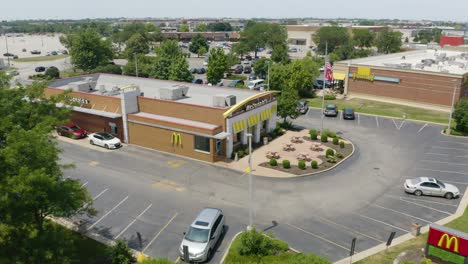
x,y
314,164
407,262
246,151
240,154
339,155
426,261
120,253
286,164
342,144
255,243
52,72
291,258
461,116
329,133
273,162
109,68
330,97
156,261
313,134
324,138
331,159
301,164
330,152
335,141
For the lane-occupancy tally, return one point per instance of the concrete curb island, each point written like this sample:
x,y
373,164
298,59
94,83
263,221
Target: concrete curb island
x,y
399,240
445,134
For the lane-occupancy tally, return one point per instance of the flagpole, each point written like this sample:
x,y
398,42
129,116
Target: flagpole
x,y
323,87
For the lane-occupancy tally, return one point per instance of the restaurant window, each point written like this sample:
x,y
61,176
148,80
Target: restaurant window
x,y
202,144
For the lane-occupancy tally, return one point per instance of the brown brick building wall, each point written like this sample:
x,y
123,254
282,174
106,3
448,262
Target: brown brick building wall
x,y
427,88
93,123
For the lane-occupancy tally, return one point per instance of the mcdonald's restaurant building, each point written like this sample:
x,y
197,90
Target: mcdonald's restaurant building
x,y
421,77
197,121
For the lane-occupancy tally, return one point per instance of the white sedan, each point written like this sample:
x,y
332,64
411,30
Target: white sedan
x,y
430,186
104,139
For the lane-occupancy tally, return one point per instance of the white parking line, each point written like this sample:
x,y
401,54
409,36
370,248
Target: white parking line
x,y
439,147
377,121
443,162
446,155
395,124
381,222
348,228
424,206
160,231
84,184
101,193
419,131
401,124
319,237
465,183
358,119
308,110
341,116
455,172
425,201
106,214
398,212
445,141
134,220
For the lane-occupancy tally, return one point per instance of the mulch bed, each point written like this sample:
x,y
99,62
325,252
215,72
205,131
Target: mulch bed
x,y
346,151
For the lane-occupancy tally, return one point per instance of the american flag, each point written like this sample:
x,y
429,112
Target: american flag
x,y
328,72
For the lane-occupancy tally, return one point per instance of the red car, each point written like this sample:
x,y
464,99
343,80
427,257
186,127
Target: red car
x,y
71,131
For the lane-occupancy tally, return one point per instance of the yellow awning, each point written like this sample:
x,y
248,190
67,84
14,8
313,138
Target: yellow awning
x,y
252,120
265,114
238,126
339,76
273,109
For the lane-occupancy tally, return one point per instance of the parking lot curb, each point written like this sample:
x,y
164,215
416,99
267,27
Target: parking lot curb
x,y
399,240
443,133
399,118
229,246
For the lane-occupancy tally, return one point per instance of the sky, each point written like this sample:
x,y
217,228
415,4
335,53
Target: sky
x,y
453,10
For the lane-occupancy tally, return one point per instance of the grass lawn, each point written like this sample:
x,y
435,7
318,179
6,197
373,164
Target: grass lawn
x,y
42,58
236,77
387,257
71,73
385,109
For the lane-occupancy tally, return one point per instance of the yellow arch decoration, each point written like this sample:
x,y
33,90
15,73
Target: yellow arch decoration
x,y
176,138
243,102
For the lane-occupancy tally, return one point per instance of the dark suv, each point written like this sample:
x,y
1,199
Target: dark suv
x,y
237,69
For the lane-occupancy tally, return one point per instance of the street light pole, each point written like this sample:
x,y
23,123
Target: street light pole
x,y
269,62
136,65
323,85
451,109
250,226
6,43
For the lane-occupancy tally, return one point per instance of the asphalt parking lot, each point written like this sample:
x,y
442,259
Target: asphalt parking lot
x,y
158,195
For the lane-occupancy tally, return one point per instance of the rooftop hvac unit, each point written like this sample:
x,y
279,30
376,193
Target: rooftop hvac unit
x,y
173,93
419,66
102,89
224,100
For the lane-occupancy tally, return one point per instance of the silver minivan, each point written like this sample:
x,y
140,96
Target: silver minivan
x,y
202,235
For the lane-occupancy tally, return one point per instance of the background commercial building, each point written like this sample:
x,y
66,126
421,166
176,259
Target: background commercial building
x,y
197,121
423,76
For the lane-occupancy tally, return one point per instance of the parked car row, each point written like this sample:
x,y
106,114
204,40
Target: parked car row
x,y
102,139
198,70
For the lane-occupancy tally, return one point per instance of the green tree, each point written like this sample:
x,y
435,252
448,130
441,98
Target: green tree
x,y
88,50
179,71
198,41
202,51
363,37
388,41
111,68
280,54
332,37
202,27
137,44
241,49
287,103
279,76
166,54
220,26
217,67
262,34
120,253
145,66
261,66
303,73
184,28
461,115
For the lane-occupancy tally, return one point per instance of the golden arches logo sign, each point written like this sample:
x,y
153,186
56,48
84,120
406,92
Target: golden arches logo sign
x,y
449,240
176,139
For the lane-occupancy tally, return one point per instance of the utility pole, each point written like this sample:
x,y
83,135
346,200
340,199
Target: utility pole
x,y
451,109
250,226
6,43
323,85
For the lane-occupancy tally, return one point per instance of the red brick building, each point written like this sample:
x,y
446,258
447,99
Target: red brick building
x,y
423,76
